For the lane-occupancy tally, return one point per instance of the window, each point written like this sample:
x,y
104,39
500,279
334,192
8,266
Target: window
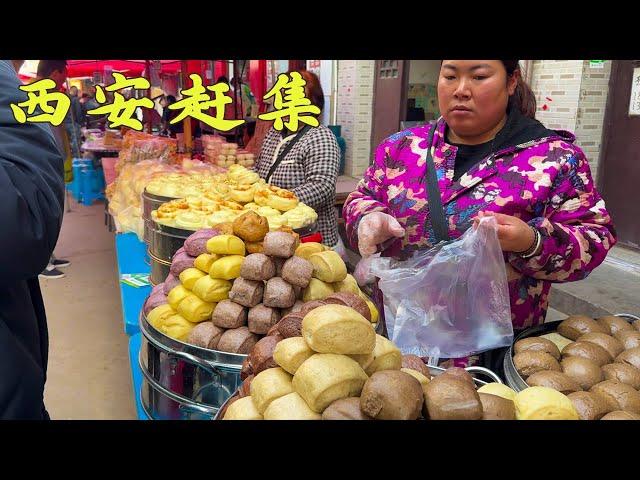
x,y
388,69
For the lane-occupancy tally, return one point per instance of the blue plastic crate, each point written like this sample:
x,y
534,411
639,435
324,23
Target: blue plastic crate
x,y
76,186
90,185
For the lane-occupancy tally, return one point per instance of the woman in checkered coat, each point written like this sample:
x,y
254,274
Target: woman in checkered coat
x,y
310,167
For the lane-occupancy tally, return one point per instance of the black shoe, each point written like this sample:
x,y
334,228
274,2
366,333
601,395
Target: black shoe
x,y
51,273
60,262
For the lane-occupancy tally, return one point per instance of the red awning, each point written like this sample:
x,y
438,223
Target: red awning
x,y
86,68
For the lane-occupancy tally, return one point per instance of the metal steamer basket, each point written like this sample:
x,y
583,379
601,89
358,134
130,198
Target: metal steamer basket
x,y
159,269
511,375
182,381
166,241
151,202
433,370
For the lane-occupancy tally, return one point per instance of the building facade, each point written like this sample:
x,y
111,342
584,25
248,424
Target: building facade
x,y
571,95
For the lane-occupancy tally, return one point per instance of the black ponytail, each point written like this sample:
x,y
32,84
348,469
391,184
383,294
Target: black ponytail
x,y
523,98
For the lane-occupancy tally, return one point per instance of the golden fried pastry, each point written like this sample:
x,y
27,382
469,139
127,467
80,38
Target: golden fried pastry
x,y
274,197
276,222
190,221
261,195
251,227
215,195
225,228
254,247
252,206
221,217
282,199
242,193
268,212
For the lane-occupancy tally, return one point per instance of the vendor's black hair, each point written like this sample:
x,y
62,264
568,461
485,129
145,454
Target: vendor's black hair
x,y
523,98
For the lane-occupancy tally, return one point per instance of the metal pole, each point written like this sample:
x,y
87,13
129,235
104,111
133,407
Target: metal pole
x,y
188,141
147,67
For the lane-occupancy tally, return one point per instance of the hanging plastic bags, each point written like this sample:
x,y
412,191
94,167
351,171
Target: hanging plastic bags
x,y
450,301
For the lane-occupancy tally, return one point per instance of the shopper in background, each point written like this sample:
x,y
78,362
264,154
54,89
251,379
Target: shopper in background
x,y
173,130
492,159
168,115
56,70
90,103
247,107
310,167
75,119
31,207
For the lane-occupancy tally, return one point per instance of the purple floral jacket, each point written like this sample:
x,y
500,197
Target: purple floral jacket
x,y
546,182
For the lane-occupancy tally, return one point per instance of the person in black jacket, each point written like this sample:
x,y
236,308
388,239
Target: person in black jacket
x,y
31,208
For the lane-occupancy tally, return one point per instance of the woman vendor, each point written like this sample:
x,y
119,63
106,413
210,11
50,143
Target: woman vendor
x,y
309,167
491,158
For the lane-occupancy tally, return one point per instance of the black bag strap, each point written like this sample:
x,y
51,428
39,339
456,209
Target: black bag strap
x,y
285,150
434,200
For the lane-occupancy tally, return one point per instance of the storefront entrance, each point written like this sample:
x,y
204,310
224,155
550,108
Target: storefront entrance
x,y
619,170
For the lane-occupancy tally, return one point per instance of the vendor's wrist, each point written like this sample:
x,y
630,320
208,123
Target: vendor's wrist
x,y
535,247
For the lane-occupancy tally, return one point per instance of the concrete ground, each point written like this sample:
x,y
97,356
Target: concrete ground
x,y
613,287
89,375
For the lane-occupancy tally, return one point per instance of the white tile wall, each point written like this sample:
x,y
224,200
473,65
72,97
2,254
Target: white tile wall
x,y
590,114
355,101
558,80
578,100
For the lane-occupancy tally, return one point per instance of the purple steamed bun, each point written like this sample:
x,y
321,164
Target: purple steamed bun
x,y
154,301
196,244
180,263
169,283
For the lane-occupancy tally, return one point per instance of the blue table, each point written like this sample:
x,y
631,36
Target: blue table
x,y
136,373
132,258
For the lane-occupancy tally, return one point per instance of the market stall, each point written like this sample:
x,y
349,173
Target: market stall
x,y
163,199
286,333
248,316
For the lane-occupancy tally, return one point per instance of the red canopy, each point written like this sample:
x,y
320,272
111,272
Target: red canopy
x,y
86,68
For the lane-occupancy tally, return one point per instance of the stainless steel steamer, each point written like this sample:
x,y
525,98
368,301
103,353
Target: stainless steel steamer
x,y
182,381
151,202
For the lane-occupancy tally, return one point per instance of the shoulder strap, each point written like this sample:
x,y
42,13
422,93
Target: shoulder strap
x,y
434,200
285,150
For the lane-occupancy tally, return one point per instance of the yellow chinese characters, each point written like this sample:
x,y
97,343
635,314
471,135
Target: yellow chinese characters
x,y
121,110
292,104
196,101
38,96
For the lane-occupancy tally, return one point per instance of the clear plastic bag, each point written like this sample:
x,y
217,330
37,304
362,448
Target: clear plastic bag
x,y
450,301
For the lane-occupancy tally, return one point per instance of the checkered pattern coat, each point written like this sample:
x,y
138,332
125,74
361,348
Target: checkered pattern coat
x,y
310,170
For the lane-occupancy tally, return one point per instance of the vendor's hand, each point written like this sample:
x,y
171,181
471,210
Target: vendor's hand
x,y
514,234
375,228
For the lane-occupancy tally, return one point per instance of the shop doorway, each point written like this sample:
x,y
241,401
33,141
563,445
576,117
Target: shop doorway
x,y
405,95
619,163
422,96
389,99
